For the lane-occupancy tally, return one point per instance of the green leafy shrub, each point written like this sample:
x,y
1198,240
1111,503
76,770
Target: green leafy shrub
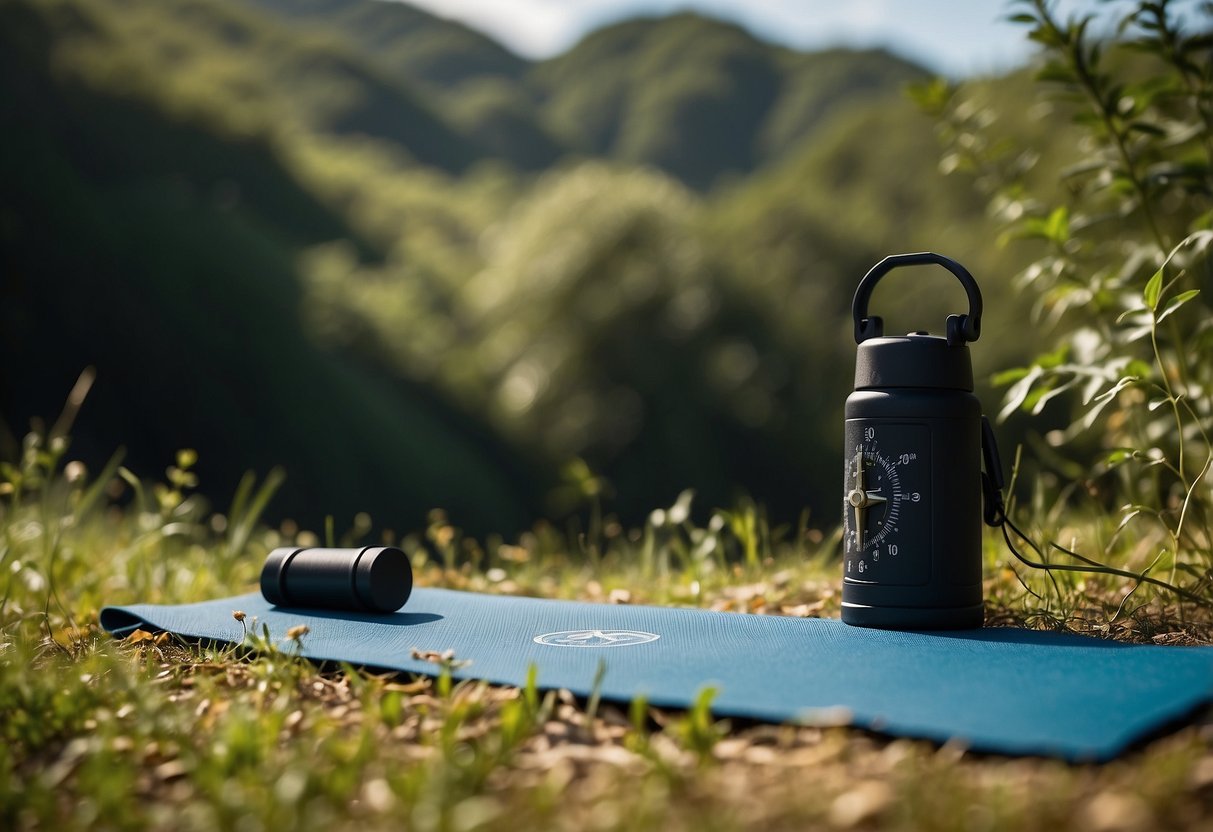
x,y
1122,272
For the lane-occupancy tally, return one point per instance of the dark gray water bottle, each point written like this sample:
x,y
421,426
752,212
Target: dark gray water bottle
x,y
371,579
912,480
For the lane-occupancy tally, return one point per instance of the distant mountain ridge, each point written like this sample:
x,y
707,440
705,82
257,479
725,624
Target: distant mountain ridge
x,y
424,48
698,97
694,96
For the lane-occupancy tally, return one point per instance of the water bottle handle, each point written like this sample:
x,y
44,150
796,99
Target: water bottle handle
x,y
961,328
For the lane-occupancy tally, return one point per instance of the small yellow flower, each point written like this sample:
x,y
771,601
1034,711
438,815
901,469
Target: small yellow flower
x,y
297,632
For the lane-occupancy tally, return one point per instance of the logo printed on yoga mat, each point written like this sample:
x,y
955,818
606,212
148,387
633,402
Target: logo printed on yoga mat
x,y
596,638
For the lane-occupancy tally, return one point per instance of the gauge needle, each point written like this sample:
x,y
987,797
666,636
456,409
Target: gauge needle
x,y
860,498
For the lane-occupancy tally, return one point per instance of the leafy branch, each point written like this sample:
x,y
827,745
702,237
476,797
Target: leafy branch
x,y
1131,355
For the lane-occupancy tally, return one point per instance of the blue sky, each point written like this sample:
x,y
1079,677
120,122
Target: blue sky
x,y
949,36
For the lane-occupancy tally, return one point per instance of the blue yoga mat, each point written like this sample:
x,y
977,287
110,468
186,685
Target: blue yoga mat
x,y
1006,691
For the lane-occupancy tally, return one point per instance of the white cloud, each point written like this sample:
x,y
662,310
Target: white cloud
x,y
534,28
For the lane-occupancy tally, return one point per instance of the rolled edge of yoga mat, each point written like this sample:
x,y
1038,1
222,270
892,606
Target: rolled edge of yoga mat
x,y
372,579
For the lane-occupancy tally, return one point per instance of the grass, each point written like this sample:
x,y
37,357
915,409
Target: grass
x,y
153,733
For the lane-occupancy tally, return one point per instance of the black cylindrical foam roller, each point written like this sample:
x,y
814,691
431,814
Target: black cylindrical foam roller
x,y
373,579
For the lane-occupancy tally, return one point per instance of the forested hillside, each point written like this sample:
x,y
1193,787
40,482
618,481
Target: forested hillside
x,y
417,270
162,251
694,96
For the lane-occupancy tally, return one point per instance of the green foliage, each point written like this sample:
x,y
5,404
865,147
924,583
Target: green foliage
x,y
698,730
149,732
594,327
156,733
241,73
422,49
182,270
1122,268
699,98
816,87
504,119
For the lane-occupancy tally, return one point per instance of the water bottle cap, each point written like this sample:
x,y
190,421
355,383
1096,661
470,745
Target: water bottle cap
x,y
383,578
914,360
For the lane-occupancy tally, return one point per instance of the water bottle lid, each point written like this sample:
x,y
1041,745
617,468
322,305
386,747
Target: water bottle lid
x,y
383,578
915,360
272,574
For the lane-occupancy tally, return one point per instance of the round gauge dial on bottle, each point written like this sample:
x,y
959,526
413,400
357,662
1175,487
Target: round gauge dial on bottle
x,y
886,528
